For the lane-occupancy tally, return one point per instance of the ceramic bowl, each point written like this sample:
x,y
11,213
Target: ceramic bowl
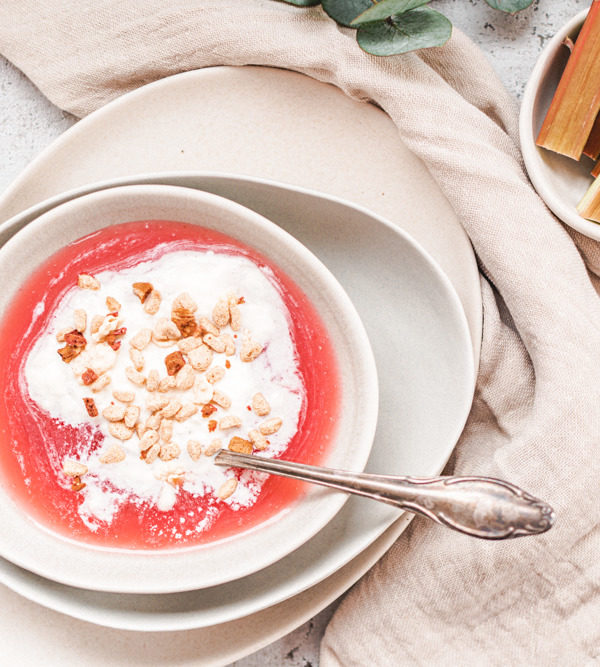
x,y
25,543
560,181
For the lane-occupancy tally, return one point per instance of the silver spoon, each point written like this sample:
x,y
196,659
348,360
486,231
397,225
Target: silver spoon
x,y
477,506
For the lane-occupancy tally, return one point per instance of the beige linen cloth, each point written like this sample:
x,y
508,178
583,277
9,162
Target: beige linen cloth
x,y
437,598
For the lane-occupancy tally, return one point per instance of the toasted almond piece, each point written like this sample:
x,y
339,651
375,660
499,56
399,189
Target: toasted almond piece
x,y
221,399
184,300
90,406
109,323
165,330
149,438
141,339
184,380
220,313
96,323
152,380
142,290
235,317
229,344
73,468
80,319
214,374
169,451
270,426
182,314
86,281
166,430
260,405
124,396
166,383
200,358
69,352
213,447
174,362
206,326
153,422
229,421
257,439
203,391
240,445
152,453
186,411
114,412
152,302
214,342
119,431
135,376
250,349
60,334
170,409
186,345
112,304
132,414
140,429
115,454
137,359
227,488
194,449
100,383
156,403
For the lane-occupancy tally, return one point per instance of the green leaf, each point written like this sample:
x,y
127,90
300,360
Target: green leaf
x,y
303,3
344,11
419,29
509,6
386,8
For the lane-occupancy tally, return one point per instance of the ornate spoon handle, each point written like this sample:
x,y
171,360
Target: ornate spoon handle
x,y
477,506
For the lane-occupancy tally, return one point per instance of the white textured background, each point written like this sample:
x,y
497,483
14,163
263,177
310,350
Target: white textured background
x,y
28,123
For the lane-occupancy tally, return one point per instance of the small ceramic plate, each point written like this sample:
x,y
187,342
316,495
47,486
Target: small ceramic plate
x,y
560,181
165,571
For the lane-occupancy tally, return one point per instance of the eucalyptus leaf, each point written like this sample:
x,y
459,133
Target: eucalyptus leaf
x,y
344,11
303,3
509,6
418,29
386,8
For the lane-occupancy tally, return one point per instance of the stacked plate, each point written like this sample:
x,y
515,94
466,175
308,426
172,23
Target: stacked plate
x,y
295,151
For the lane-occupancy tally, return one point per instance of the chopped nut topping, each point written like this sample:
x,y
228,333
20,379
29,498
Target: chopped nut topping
x,y
112,304
124,396
257,439
227,489
260,405
208,410
203,391
215,374
213,447
142,291
110,323
221,399
174,362
166,430
85,281
166,383
184,300
114,412
151,454
194,449
89,376
229,421
90,406
229,344
111,338
250,349
60,334
152,380
169,451
165,331
235,316
184,380
100,383
134,376
73,468
132,414
96,323
220,313
137,359
170,409
149,438
115,454
156,403
185,412
237,444
119,431
152,302
153,422
182,314
80,320
270,426
214,342
200,358
69,352
186,345
141,340
205,326
75,338
212,425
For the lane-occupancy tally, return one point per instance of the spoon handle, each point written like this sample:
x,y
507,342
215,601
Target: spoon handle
x,y
478,506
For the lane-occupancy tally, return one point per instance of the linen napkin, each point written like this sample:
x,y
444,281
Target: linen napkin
x,y
437,597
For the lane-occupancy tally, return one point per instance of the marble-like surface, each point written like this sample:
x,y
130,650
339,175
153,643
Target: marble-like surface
x,y
28,123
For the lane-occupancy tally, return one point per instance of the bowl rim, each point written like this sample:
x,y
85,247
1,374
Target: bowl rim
x,y
125,564
530,151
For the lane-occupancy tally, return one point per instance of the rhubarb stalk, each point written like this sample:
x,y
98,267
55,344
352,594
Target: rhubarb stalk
x,y
589,206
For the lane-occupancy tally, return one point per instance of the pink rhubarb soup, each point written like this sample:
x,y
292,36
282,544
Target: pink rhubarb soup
x,y
130,357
